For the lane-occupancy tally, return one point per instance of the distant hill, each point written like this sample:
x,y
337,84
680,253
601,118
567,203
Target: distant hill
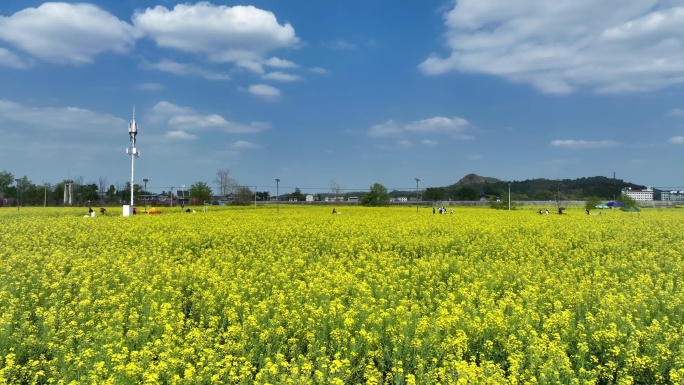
x,y
474,179
473,186
541,189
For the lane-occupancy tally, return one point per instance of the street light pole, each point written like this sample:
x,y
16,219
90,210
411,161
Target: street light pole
x,y
18,194
417,200
277,196
172,196
145,180
45,198
509,196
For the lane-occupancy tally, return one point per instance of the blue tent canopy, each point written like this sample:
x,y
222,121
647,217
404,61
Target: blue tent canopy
x,y
614,204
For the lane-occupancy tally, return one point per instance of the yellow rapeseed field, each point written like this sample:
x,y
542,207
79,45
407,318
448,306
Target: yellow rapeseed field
x,y
373,295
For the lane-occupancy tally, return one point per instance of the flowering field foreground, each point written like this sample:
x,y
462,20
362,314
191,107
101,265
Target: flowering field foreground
x,y
238,295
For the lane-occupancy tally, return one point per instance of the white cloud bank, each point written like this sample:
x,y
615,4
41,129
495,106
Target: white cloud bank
x,y
60,118
609,46
185,69
454,127
9,59
243,145
241,34
75,34
676,140
183,119
66,33
584,144
264,91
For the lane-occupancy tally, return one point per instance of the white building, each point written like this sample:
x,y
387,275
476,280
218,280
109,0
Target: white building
x,y
672,195
309,198
639,195
402,199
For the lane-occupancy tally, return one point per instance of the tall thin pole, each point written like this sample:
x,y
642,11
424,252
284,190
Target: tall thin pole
x,y
509,196
45,198
146,194
133,133
417,200
277,196
18,194
255,192
132,180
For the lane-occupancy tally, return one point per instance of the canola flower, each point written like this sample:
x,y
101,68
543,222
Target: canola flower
x,y
378,296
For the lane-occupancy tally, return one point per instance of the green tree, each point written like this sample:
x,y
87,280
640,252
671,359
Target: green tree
x,y
298,194
435,194
111,192
466,194
6,181
200,191
263,195
544,195
626,200
502,203
125,192
25,190
243,197
377,196
590,203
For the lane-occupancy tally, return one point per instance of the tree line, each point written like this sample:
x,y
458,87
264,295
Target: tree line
x,y
228,189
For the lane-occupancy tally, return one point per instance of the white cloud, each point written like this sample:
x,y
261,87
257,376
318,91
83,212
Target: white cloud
x,y
66,33
150,87
676,140
438,125
264,91
9,59
584,144
341,44
185,69
243,145
389,128
180,135
281,77
186,118
62,118
429,142
676,112
455,127
559,46
279,63
318,70
239,34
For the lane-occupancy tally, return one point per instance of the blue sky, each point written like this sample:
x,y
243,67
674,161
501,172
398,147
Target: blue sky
x,y
353,91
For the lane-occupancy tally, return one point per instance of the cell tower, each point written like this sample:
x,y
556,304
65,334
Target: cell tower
x,y
134,153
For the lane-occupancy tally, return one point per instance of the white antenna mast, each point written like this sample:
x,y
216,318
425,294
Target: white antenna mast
x,y
134,153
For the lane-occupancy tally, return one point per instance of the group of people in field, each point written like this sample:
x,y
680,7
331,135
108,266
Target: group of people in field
x,y
560,211
91,211
442,210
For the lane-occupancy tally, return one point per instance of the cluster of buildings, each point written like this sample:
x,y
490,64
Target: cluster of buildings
x,y
654,194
